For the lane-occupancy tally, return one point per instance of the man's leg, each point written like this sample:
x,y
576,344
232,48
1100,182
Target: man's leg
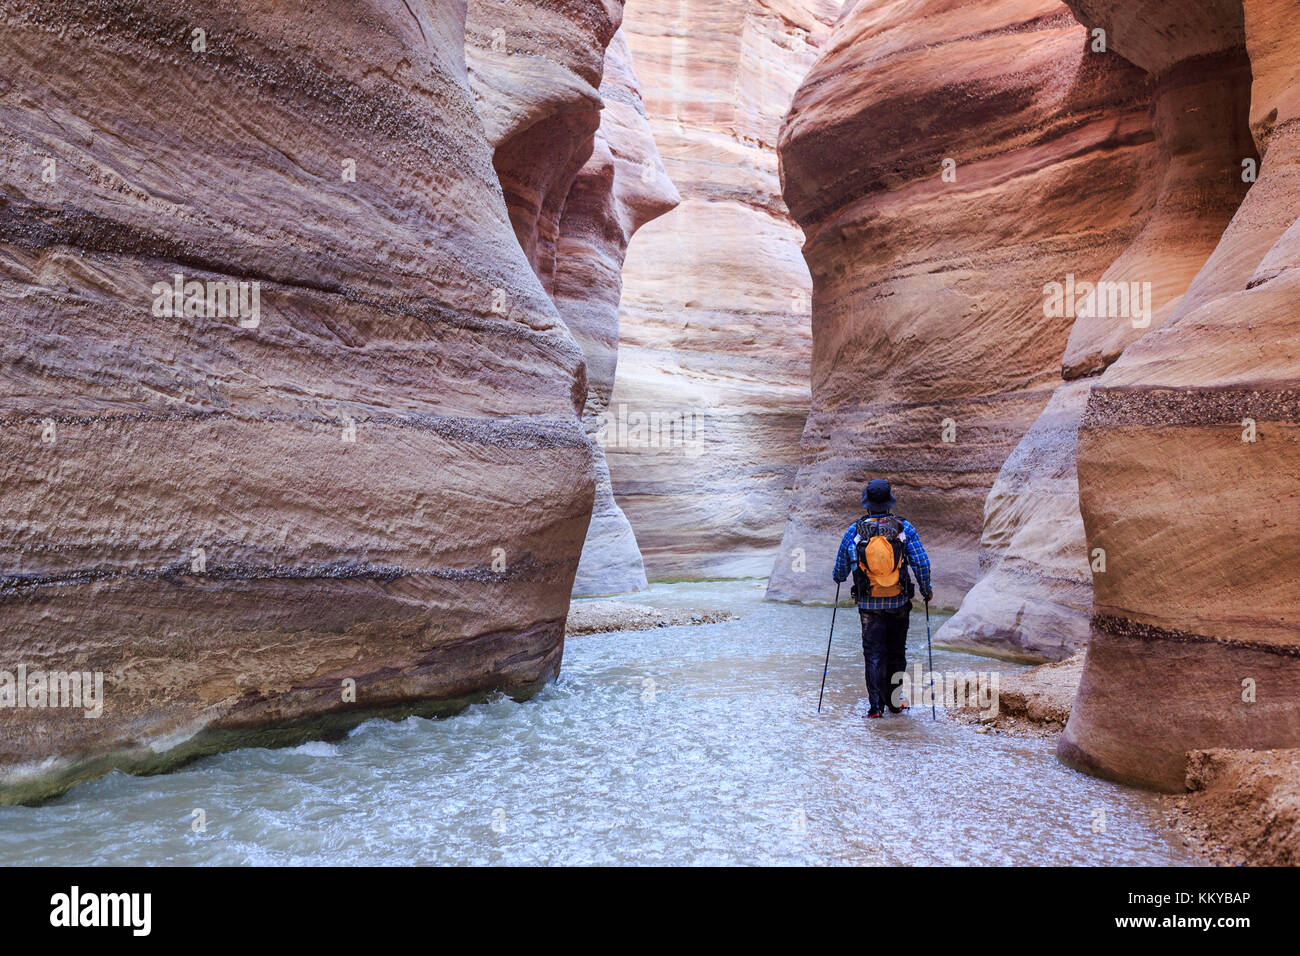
x,y
896,647
873,654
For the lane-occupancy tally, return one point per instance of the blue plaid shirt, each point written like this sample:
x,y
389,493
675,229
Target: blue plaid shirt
x,y
917,560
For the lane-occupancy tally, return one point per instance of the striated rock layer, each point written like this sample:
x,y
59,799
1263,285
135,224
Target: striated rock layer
x,y
544,89
370,499
947,161
1175,420
1034,595
1188,454
621,188
712,387
535,68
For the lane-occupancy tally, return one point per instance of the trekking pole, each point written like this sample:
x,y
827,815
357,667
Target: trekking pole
x,y
930,657
827,665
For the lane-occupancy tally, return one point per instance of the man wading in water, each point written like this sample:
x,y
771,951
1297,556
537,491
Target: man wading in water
x,y
879,548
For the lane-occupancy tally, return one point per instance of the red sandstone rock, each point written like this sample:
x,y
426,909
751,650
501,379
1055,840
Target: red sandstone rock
x,y
1034,594
1186,524
1196,638
714,334
932,352
620,189
399,304
535,68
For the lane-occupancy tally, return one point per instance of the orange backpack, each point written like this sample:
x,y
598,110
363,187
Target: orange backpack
x,y
882,556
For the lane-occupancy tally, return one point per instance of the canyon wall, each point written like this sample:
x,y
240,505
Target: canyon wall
x,y
1034,595
365,491
946,162
1129,470
554,80
620,189
1189,452
535,68
712,385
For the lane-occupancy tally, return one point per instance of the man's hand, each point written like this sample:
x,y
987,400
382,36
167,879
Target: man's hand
x,y
927,594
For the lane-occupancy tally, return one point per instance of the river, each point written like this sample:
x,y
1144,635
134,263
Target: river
x,y
681,745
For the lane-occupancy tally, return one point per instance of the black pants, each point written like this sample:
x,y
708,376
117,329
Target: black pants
x,y
884,647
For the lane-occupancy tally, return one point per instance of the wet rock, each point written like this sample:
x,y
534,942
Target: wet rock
x,y
1033,702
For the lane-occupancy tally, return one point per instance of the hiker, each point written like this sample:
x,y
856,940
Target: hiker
x,y
879,548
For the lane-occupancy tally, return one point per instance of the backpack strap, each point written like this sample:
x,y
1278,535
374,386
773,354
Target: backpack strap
x,y
905,570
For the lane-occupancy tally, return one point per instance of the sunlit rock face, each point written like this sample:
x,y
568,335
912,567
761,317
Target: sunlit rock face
x,y
1034,595
947,162
1187,457
535,67
545,90
712,385
368,496
621,188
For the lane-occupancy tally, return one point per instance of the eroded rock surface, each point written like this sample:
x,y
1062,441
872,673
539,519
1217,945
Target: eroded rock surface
x,y
1188,454
1243,808
535,68
541,85
621,188
1034,595
714,331
384,480
1035,702
929,306
946,162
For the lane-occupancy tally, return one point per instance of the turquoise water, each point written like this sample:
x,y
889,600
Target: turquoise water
x,y
683,745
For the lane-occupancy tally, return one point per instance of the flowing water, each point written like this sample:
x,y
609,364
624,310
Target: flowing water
x,y
682,745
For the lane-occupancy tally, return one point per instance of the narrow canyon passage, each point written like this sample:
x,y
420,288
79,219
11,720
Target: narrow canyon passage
x,y
809,243
680,745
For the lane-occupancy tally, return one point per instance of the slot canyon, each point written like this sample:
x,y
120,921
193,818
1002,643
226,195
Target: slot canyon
x,y
568,303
